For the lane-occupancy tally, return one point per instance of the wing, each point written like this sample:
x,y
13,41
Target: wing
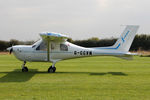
x,y
53,37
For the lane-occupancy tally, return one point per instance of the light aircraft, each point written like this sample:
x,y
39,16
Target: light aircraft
x,y
54,47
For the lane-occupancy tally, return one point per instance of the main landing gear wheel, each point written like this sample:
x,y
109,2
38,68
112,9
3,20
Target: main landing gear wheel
x,y
51,69
25,69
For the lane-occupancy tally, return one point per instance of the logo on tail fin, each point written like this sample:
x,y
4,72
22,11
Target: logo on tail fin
x,y
123,38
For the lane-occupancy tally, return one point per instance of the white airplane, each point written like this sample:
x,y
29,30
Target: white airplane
x,y
54,47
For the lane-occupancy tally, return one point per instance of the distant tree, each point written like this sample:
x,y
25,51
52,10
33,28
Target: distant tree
x,y
93,39
28,42
141,42
70,40
14,42
3,45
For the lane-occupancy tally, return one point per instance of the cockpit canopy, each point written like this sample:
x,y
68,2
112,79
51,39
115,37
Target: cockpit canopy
x,y
42,46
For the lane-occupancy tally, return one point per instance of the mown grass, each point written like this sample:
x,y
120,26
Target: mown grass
x,y
95,78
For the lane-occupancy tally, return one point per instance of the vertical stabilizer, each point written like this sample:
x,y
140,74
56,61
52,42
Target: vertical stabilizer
x,y
126,38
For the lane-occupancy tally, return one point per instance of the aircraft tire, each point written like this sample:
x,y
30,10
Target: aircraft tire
x,y
25,69
51,69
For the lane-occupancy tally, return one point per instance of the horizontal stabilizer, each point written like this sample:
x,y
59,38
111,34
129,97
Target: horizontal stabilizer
x,y
126,57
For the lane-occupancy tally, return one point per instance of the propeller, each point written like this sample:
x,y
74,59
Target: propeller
x,y
10,49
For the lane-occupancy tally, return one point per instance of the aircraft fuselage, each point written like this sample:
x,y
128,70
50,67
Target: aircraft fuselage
x,y
30,53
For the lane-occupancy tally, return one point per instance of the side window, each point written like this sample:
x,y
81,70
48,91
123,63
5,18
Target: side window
x,y
42,46
63,47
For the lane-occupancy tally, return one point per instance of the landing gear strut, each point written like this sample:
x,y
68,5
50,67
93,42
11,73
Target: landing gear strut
x,y
24,68
52,68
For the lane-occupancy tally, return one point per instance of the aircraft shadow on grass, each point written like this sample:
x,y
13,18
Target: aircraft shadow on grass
x,y
18,76
95,73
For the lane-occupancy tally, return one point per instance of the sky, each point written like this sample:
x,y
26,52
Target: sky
x,y
79,19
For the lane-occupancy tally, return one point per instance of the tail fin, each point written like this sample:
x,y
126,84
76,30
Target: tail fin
x,y
126,38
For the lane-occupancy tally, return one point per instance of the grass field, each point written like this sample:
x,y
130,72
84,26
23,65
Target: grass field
x,y
95,78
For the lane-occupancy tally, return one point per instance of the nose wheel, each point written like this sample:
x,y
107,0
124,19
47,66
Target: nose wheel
x,y
24,68
51,69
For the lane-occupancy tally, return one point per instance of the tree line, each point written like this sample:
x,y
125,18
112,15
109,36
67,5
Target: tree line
x,y
141,42
5,44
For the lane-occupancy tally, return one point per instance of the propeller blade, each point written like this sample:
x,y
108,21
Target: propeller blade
x,y
10,49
